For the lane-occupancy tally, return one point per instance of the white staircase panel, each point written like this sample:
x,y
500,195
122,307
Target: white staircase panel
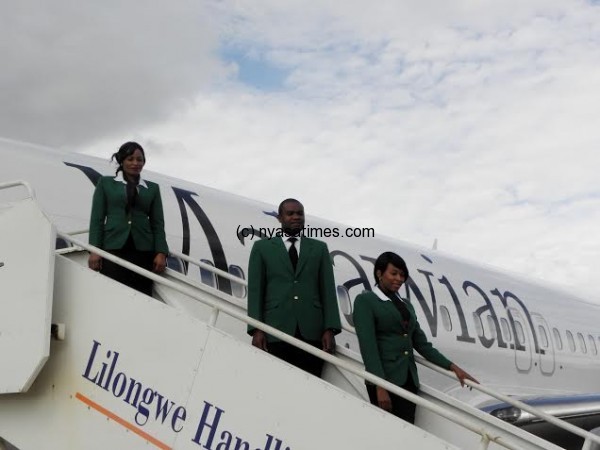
x,y
26,278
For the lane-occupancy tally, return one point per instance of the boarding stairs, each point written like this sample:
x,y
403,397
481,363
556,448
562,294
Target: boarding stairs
x,y
88,363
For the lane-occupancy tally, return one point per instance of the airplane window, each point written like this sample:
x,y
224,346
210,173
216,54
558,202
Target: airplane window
x,y
446,320
543,336
582,343
557,339
519,331
571,341
345,304
175,264
593,344
238,290
61,243
492,325
206,276
478,325
505,329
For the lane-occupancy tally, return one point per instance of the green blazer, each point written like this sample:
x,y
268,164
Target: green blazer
x,y
386,347
110,224
286,299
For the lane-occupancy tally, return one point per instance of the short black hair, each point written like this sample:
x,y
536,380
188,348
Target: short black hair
x,y
386,258
287,200
126,150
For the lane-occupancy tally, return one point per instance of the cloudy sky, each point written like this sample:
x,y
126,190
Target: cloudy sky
x,y
470,122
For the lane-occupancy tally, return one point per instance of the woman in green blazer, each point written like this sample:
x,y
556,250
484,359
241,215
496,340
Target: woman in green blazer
x,y
388,333
127,220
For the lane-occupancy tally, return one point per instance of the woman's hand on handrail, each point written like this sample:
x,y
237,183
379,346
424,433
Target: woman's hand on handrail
x,y
461,374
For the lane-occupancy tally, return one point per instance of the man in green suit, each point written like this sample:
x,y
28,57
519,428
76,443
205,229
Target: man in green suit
x,y
291,287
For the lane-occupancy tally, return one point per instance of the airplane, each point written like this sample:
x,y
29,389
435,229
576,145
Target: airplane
x,y
524,338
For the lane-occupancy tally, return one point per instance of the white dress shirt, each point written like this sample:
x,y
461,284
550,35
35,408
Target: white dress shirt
x,y
288,244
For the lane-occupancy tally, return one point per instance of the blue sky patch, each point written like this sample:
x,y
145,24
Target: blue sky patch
x,y
255,71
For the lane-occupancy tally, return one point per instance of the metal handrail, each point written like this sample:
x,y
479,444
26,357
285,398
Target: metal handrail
x,y
25,184
589,437
517,403
186,258
210,268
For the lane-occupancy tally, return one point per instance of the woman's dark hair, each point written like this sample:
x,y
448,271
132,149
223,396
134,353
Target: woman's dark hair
x,y
389,258
126,150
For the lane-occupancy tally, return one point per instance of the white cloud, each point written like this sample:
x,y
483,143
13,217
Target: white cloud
x,y
475,124
74,71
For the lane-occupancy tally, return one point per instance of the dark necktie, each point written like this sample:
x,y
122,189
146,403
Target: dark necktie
x,y
293,252
131,194
400,306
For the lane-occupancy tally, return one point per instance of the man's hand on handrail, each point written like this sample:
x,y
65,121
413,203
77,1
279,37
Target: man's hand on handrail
x,y
259,340
95,262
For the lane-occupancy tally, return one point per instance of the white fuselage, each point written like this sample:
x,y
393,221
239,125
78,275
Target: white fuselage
x,y
519,336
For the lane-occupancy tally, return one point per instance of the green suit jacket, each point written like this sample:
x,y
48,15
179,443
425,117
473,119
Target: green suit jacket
x,y
386,347
286,299
111,224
